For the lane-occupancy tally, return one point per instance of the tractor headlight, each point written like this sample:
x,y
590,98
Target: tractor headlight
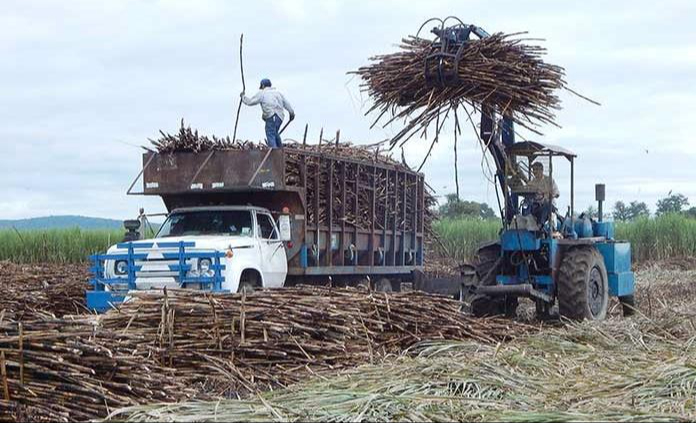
x,y
204,265
121,267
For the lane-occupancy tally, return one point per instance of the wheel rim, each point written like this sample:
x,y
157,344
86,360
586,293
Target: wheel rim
x,y
595,292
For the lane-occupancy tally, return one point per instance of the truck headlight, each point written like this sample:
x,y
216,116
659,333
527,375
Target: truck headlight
x,y
204,265
121,267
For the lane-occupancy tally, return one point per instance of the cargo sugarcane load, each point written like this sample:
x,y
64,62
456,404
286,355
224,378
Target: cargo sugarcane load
x,y
243,217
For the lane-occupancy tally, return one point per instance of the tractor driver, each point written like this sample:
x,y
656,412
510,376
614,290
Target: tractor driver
x,y
546,192
545,186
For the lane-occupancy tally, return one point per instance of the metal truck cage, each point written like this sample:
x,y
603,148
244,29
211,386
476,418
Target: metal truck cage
x,y
349,216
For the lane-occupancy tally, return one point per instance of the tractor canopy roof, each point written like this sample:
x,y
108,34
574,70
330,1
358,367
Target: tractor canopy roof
x,y
532,148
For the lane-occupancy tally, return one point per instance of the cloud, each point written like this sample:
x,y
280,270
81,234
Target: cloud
x,y
84,81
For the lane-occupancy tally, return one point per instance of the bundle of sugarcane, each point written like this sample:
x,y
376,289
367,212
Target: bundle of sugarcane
x,y
498,74
240,343
67,370
188,140
171,346
28,289
617,370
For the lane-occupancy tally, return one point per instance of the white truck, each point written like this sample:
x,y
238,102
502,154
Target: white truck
x,y
245,219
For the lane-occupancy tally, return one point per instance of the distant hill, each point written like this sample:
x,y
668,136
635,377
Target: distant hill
x,y
62,222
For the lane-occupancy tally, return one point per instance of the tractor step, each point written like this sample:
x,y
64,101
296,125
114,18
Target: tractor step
x,y
523,290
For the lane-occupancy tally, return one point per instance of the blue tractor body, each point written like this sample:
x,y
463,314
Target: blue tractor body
x,y
574,261
617,259
616,255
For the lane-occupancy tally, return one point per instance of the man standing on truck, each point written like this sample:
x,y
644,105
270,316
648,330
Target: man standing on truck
x,y
272,105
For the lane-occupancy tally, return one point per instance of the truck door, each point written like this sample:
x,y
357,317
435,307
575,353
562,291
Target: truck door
x,y
274,262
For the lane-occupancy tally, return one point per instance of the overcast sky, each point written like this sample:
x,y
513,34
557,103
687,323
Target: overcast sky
x,y
84,82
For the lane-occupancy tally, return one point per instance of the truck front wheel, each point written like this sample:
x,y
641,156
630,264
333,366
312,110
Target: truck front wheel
x,y
249,282
583,289
383,285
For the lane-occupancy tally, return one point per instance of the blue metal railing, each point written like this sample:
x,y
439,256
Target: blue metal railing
x,y
101,299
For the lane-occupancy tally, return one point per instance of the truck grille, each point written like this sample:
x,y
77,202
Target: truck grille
x,y
156,271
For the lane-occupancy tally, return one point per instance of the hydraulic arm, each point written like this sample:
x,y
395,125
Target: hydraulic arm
x,y
442,70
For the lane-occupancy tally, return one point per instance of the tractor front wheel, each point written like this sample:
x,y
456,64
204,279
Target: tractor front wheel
x,y
487,264
583,290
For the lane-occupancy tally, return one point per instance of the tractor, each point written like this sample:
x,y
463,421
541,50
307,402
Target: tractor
x,y
574,261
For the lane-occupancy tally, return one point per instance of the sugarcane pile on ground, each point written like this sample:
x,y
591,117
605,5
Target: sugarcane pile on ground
x,y
240,343
617,370
499,74
623,369
56,289
177,345
56,370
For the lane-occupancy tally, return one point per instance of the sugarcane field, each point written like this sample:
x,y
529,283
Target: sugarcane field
x,y
448,211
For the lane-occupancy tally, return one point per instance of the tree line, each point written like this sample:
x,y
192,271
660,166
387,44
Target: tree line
x,y
672,204
456,208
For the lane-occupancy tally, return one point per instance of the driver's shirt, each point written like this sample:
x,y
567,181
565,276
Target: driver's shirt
x,y
543,186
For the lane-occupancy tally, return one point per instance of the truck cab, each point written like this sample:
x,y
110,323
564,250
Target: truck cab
x,y
216,248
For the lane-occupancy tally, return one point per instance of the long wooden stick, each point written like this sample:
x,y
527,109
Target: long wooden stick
x,y
3,373
241,66
456,167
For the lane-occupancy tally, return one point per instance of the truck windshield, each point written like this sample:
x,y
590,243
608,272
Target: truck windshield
x,y
207,222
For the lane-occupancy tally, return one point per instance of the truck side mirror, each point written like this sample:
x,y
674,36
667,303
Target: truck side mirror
x,y
132,227
284,227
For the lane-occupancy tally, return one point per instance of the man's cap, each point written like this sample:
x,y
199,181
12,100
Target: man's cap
x,y
536,165
265,82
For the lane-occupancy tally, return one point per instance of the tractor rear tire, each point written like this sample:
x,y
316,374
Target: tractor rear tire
x,y
583,289
487,263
